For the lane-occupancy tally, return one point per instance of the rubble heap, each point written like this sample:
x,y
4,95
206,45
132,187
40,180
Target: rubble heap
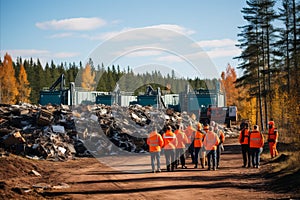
x,y
61,132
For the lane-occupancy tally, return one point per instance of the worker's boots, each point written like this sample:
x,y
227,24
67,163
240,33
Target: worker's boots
x,y
202,162
168,168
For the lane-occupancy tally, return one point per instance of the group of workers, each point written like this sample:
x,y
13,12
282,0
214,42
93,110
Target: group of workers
x,y
203,144
252,143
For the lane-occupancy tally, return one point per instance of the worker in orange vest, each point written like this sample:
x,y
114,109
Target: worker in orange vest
x,y
272,139
211,141
182,140
190,133
155,143
198,145
170,143
256,143
244,141
220,147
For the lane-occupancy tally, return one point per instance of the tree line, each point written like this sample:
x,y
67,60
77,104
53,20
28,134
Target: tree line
x,y
22,80
270,45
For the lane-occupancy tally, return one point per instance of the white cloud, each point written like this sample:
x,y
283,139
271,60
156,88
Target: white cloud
x,y
224,52
216,43
170,59
62,35
145,34
76,24
142,53
174,27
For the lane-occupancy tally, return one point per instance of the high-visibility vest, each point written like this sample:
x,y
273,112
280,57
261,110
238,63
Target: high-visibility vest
x,y
155,142
244,139
198,140
211,141
170,140
189,131
181,139
256,139
272,136
221,135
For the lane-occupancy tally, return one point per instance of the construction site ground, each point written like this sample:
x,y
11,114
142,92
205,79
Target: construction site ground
x,y
87,178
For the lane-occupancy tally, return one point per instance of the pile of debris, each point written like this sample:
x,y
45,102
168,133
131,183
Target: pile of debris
x,y
61,132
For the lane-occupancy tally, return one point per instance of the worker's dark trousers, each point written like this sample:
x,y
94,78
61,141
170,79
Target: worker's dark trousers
x,y
219,150
211,158
197,150
170,159
246,155
192,152
180,155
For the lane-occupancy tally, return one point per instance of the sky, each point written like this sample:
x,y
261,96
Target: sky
x,y
145,35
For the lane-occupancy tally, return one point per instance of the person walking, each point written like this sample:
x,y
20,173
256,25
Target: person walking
x,y
155,143
244,141
170,143
220,147
211,141
190,133
182,140
256,143
198,146
272,139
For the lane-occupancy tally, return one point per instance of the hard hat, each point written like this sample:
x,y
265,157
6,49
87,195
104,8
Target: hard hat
x,y
199,126
271,123
206,127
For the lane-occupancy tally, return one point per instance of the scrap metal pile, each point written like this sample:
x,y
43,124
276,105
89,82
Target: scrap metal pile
x,y
62,132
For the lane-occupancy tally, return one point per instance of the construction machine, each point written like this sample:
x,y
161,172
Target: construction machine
x,y
57,96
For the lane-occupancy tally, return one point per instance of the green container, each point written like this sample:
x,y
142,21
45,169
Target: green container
x,y
145,100
105,99
54,97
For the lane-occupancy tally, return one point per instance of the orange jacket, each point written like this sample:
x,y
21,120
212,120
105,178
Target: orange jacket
x,y
256,139
246,136
182,139
211,141
190,131
155,142
170,140
198,140
272,135
221,135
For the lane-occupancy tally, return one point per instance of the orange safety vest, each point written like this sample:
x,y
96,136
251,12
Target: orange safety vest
x,y
221,135
189,131
244,140
170,140
181,139
198,140
155,142
256,139
211,141
272,136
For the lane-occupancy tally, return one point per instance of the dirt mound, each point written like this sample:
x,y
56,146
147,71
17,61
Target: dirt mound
x,y
17,174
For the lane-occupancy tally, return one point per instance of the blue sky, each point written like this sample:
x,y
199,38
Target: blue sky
x,y
70,31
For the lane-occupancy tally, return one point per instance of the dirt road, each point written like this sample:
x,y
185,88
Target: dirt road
x,y
87,178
